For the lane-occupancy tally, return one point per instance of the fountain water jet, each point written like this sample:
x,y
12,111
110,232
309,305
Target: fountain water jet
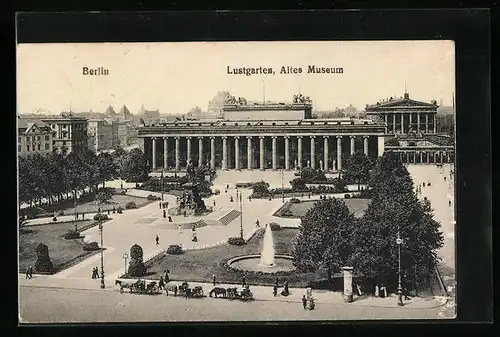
x,y
267,254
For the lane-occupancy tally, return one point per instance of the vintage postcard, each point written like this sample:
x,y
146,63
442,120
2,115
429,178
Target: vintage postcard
x,y
236,181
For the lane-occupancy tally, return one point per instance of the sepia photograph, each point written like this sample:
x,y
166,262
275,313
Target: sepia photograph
x,y
236,181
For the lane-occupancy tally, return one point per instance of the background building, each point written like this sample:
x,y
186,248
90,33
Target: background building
x,y
34,137
70,133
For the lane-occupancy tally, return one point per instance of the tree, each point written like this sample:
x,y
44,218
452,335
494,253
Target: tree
x,y
298,184
103,195
324,240
358,168
136,265
260,189
311,175
106,167
43,262
134,166
394,208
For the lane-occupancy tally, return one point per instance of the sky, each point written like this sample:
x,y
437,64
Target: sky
x,y
176,77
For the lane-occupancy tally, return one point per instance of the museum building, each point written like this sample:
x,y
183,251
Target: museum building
x,y
261,135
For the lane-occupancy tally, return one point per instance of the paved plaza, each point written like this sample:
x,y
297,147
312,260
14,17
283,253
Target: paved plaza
x,y
130,228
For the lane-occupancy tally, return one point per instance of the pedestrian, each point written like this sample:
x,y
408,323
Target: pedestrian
x,y
83,216
405,294
213,277
276,282
304,301
194,228
449,203
275,290
164,214
445,178
214,203
243,281
161,284
93,273
169,218
157,240
227,186
76,215
159,204
377,291
31,272
121,185
109,211
180,229
231,199
257,223
423,184
27,272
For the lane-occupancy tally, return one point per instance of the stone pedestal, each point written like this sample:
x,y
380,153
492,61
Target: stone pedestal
x,y
348,296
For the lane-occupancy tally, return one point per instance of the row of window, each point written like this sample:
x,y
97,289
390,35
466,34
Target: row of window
x,y
34,147
29,139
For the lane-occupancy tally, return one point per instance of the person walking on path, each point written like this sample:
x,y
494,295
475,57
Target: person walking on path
x,y
165,276
275,290
161,284
159,204
304,301
214,279
243,281
257,223
27,273
157,240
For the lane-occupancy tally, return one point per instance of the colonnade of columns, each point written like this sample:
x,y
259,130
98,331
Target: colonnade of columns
x,y
392,119
312,162
426,157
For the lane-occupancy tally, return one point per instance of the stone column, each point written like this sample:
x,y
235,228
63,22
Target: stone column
x,y
274,153
385,119
435,124
200,151
249,153
165,153
287,153
154,153
402,123
313,149
409,121
347,271
426,123
299,151
236,153
380,145
188,156
427,155
418,121
177,153
394,123
400,156
339,152
325,153
421,157
212,152
365,145
261,152
224,153
352,144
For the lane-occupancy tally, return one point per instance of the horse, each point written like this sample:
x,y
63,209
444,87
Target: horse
x,y
217,291
173,287
124,285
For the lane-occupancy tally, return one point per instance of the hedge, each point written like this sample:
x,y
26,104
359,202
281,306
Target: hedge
x,y
130,205
91,246
174,249
101,216
236,241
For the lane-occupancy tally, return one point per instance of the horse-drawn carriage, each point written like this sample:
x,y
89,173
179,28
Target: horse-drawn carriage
x,y
186,291
243,294
139,287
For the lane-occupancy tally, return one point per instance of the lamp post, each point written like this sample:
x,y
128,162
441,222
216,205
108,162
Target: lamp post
x,y
102,255
282,190
125,257
74,204
399,241
241,218
161,183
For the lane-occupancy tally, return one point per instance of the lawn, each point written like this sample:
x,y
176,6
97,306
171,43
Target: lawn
x,y
355,205
62,252
87,204
201,265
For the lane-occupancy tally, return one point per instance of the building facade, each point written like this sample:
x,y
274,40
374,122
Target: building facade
x,y
404,115
70,133
34,137
101,133
247,142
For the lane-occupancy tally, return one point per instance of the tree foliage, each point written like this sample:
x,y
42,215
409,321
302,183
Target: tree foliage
x,y
133,166
358,168
312,175
136,264
260,189
325,234
43,262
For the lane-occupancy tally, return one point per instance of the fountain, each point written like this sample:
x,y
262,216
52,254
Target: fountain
x,y
267,254
267,261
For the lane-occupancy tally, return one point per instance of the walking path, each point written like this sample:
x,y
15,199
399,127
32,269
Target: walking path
x,y
260,293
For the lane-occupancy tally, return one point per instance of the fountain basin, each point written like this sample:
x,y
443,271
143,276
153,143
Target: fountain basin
x,y
282,263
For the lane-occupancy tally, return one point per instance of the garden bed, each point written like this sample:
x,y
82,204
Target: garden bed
x,y
298,210
62,252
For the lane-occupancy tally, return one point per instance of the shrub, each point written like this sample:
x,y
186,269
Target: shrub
x,y
347,196
236,241
72,234
91,246
174,249
153,197
101,217
136,266
276,227
33,212
130,205
43,262
295,201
